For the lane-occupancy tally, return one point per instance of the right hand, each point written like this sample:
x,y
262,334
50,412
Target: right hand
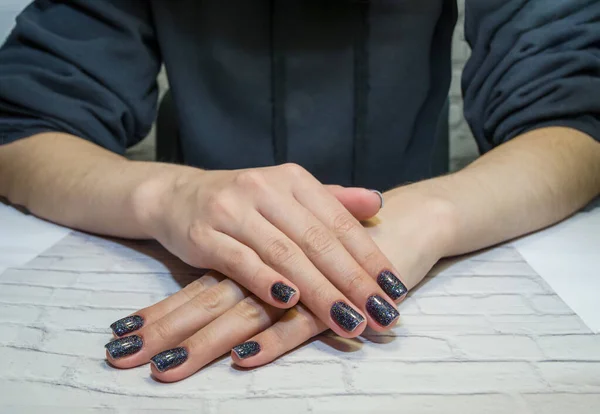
x,y
277,225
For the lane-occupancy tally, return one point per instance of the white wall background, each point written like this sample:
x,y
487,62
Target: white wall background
x,y
462,145
8,11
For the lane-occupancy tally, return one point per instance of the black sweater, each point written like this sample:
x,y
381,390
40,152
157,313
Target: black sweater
x,y
355,91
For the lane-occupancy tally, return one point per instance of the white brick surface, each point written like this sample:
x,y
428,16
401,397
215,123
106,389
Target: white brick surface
x,y
35,365
561,403
550,304
319,378
497,347
265,405
19,314
571,347
417,404
446,377
470,305
503,343
581,376
494,284
20,336
439,324
537,324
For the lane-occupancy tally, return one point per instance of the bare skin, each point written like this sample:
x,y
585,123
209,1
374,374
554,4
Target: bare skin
x,y
529,183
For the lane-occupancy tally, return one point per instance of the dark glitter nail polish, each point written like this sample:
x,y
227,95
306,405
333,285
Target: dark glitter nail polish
x,y
127,325
346,316
169,359
391,285
282,292
122,347
247,349
380,197
381,310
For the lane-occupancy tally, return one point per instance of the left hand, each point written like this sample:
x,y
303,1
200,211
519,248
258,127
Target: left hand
x,y
213,314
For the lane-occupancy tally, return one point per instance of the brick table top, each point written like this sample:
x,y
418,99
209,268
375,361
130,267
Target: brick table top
x,y
482,334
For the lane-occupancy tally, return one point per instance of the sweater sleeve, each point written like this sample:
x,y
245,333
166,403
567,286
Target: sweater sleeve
x,y
534,63
87,68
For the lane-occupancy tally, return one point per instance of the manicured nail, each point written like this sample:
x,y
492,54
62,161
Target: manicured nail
x,y
380,197
391,285
169,359
127,325
381,310
346,316
247,349
282,292
122,347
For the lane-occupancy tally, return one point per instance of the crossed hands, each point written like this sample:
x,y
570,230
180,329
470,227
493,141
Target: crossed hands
x,y
290,258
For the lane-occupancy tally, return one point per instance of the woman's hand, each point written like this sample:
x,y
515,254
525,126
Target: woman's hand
x,y
212,315
281,234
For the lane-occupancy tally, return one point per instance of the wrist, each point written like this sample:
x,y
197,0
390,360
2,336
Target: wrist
x,y
436,218
152,195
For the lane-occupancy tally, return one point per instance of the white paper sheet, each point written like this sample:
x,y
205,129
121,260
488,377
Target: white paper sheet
x,y
23,236
567,257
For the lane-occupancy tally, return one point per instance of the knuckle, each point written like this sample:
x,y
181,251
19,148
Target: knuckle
x,y
162,330
278,334
210,301
193,289
196,233
317,241
356,280
279,251
220,206
306,322
202,340
344,225
320,292
278,339
249,310
251,179
293,169
372,256
234,261
252,280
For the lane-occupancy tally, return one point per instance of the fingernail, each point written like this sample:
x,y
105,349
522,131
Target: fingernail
x,y
127,325
282,292
380,197
346,316
381,310
247,349
123,347
169,359
391,285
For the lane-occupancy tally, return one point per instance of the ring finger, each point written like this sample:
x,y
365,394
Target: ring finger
x,y
171,329
246,319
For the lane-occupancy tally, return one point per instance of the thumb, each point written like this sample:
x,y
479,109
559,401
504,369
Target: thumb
x,y
360,202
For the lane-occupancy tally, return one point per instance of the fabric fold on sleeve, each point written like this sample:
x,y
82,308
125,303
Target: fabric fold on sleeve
x,y
534,63
87,68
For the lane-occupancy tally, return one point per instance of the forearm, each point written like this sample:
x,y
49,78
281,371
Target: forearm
x,y
529,183
75,183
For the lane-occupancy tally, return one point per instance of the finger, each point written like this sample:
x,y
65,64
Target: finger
x,y
152,313
241,263
179,324
247,318
331,258
297,326
361,203
277,251
352,235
